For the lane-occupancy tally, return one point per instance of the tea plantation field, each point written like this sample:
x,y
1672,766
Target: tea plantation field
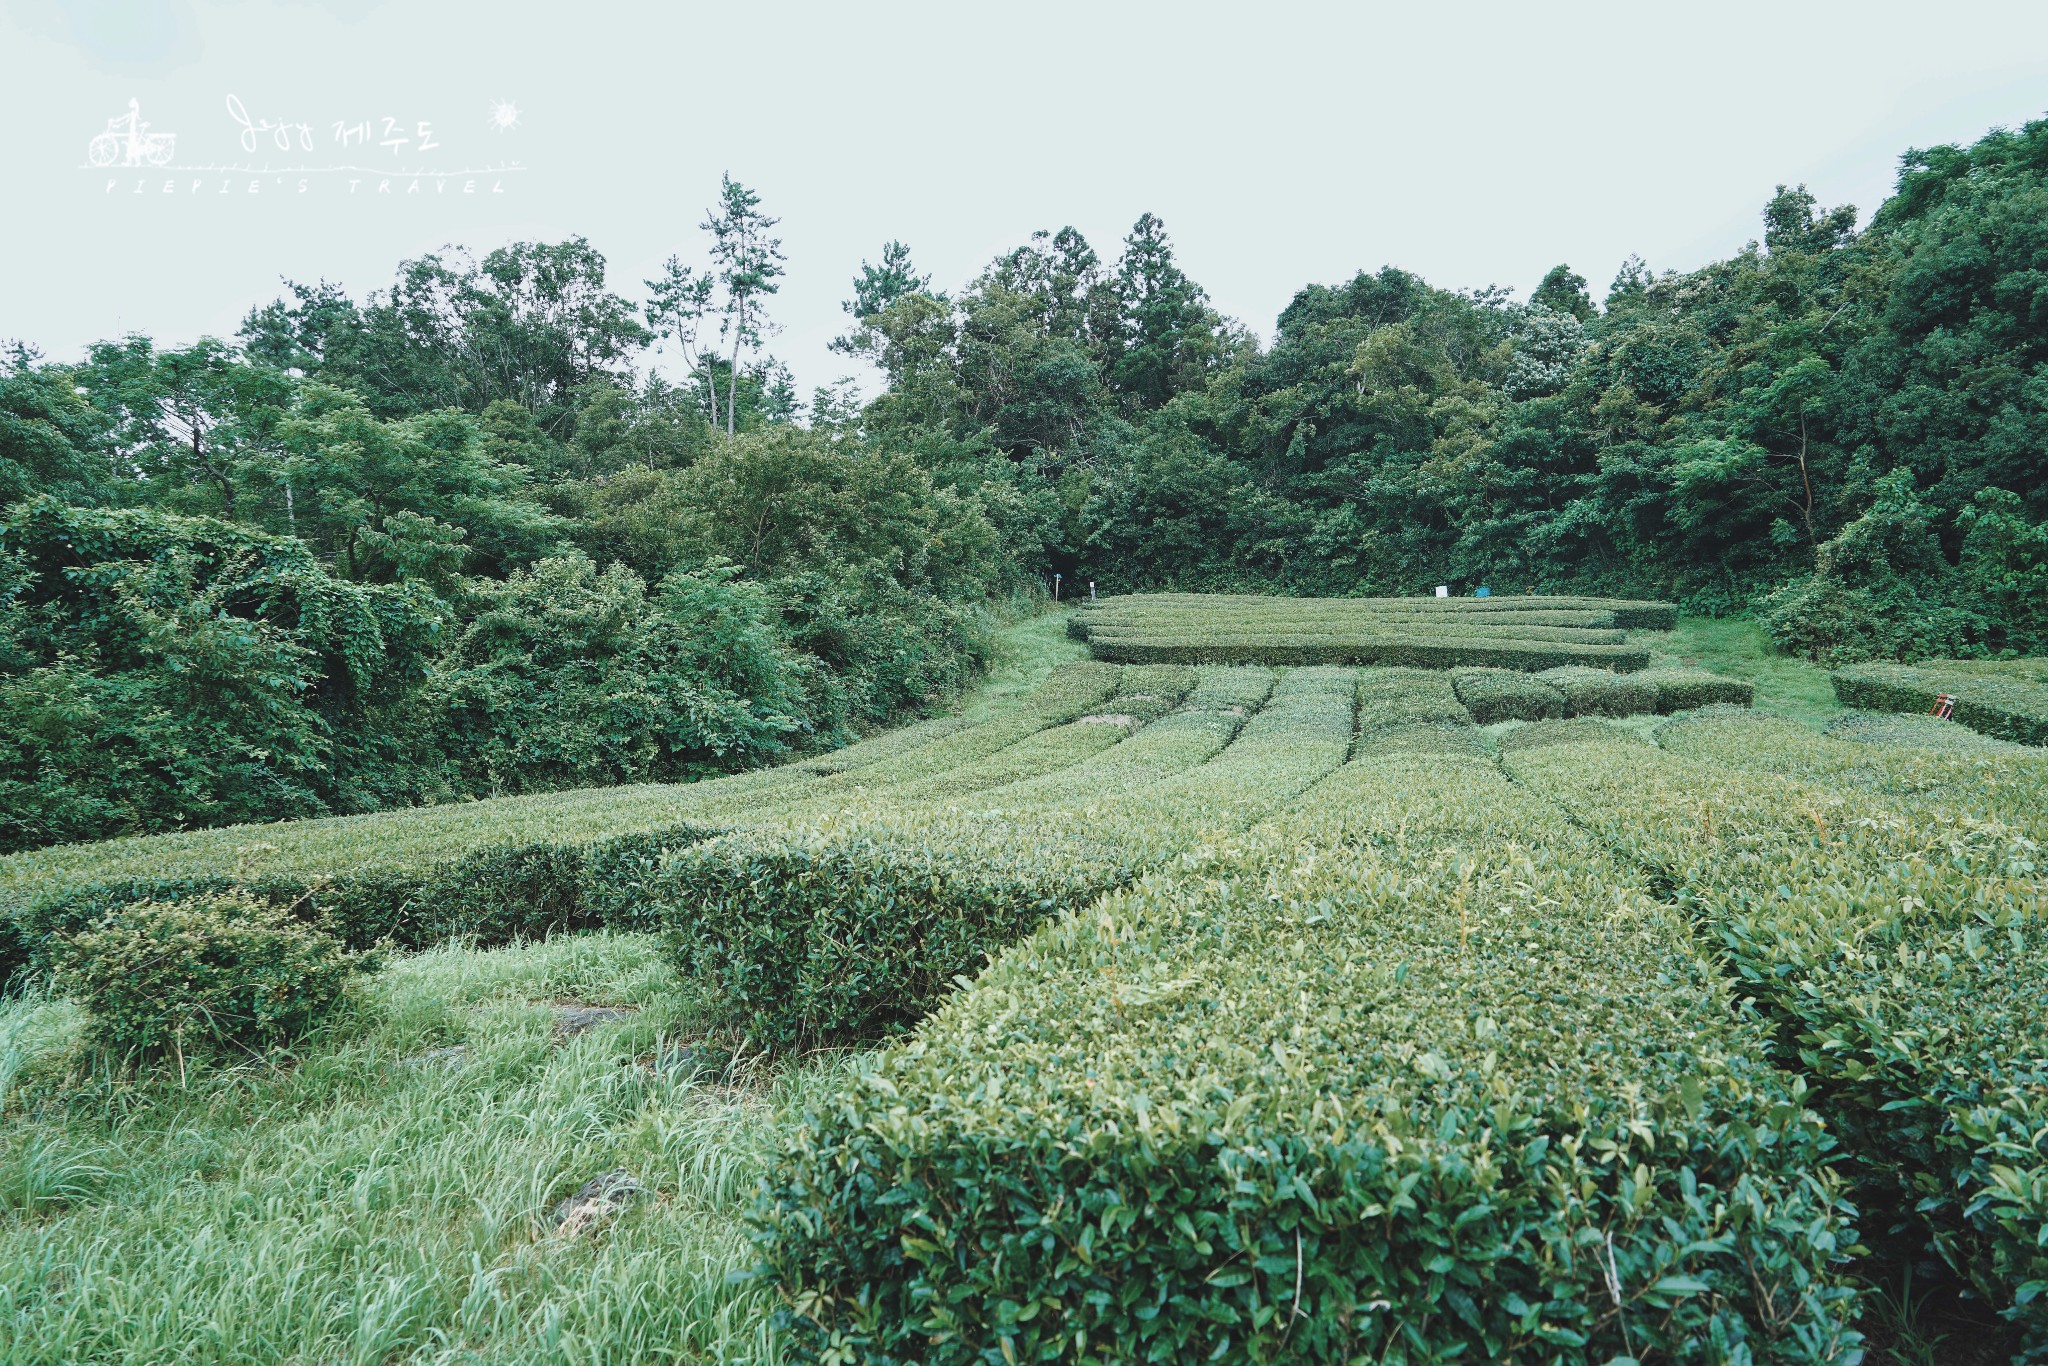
x,y
1271,980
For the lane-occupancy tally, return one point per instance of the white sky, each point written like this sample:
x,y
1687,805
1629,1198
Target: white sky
x,y
1281,143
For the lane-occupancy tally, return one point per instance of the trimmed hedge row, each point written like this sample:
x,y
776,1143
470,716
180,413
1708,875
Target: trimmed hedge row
x,y
1904,953
1388,648
1454,628
1413,1073
1989,780
852,926
495,870
512,886
1628,614
1491,695
1688,689
2011,709
1390,699
1599,692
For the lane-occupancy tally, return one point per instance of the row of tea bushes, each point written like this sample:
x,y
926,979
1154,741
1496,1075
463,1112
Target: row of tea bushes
x,y
852,925
1413,1072
504,868
1493,695
1432,633
1905,955
1627,614
1392,699
1987,779
2011,704
1440,628
1414,647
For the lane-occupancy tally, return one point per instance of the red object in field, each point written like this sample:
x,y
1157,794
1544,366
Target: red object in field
x,y
1945,706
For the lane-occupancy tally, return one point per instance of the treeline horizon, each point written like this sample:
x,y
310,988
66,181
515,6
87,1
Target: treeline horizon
x,y
463,536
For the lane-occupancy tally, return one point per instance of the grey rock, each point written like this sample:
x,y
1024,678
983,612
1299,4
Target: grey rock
x,y
573,1020
594,1202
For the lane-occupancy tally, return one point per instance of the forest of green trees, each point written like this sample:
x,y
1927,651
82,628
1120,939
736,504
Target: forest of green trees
x,y
508,525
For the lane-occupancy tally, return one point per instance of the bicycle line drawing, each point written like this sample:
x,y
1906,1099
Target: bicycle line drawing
x,y
128,138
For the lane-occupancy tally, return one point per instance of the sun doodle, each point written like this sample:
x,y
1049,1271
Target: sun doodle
x,y
504,116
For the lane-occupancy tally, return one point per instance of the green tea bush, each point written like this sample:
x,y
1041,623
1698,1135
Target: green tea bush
x,y
1396,646
1688,689
1491,695
1389,699
512,867
1514,633
1573,731
852,925
1915,764
1600,692
1413,1073
1903,952
1435,628
1624,613
2013,708
208,975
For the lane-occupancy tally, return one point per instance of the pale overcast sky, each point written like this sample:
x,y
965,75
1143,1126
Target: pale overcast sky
x,y
1282,143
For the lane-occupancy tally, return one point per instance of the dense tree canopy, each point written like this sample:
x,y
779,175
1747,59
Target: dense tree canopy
x,y
500,527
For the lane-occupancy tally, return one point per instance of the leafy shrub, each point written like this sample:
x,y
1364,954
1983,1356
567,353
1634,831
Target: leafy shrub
x,y
2009,709
1599,692
1903,952
568,676
1687,689
1300,1101
159,671
1491,695
218,974
2005,565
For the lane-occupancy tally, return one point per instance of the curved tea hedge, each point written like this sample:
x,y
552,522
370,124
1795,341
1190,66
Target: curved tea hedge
x,y
1987,780
1626,614
2014,707
852,926
1905,952
1411,1073
1440,633
509,867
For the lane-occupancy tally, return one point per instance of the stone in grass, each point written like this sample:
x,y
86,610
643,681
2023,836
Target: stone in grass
x,y
597,1200
451,1055
573,1020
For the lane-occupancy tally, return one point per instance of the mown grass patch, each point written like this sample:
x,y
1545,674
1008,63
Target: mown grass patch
x,y
1736,647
